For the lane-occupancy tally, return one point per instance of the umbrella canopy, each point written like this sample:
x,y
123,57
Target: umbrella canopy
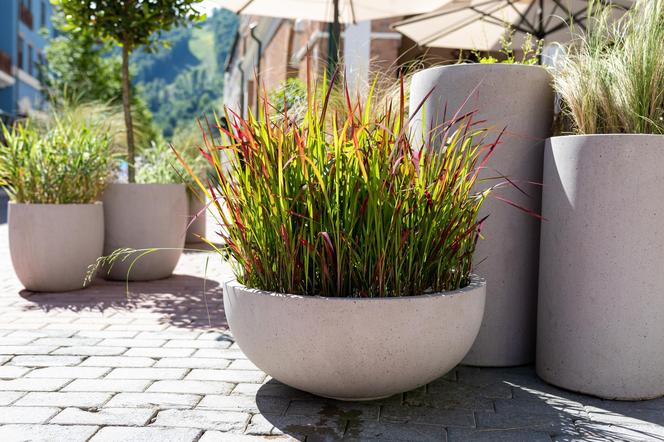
x,y
350,11
480,24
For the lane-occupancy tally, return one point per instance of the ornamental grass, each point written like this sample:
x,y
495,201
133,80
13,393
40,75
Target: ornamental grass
x,y
344,204
612,79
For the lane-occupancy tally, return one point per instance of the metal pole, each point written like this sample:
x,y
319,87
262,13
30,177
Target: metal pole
x,y
333,40
259,48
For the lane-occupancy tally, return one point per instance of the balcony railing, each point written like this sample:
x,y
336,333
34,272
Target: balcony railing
x,y
5,63
25,15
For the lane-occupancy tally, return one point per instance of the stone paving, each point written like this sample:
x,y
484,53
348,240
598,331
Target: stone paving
x,y
160,365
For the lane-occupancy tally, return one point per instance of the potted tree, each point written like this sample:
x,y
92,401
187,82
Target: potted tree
x,y
137,215
514,94
54,176
351,246
601,309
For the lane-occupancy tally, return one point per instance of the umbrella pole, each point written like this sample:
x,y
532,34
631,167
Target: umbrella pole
x,y
333,41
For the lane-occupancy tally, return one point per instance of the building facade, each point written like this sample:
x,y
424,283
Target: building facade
x,y
268,51
25,26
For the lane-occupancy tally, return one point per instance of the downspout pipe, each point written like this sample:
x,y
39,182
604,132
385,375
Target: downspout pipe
x,y
241,69
259,44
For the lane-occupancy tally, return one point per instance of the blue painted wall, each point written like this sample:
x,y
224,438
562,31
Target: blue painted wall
x,y
32,42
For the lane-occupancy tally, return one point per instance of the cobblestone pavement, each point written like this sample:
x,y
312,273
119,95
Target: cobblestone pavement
x,y
160,365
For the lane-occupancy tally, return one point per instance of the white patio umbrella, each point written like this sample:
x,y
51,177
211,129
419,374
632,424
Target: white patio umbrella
x,y
480,24
332,11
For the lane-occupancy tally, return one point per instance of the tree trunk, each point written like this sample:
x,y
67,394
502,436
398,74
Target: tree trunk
x,y
126,104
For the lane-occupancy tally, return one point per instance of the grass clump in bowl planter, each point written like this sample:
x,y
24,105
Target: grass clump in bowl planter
x,y
60,161
343,204
612,79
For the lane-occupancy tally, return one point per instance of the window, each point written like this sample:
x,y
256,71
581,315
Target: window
x,y
30,62
42,14
19,53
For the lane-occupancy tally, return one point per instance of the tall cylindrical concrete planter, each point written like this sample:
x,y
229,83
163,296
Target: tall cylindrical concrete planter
x,y
142,216
355,348
520,99
52,245
601,296
196,222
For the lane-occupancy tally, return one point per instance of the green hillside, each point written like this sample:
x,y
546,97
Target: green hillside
x,y
186,79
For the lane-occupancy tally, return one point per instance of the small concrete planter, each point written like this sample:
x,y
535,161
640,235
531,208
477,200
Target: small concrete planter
x,y
196,220
52,245
520,99
350,348
141,216
601,299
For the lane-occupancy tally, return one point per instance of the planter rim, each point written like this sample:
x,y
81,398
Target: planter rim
x,y
634,135
475,283
484,66
13,203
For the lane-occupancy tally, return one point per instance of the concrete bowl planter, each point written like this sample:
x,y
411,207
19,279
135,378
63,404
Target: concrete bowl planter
x,y
520,99
52,245
141,216
355,348
601,298
196,220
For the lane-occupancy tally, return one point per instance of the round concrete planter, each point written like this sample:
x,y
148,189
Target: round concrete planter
x,y
141,216
519,98
196,220
52,245
350,348
601,298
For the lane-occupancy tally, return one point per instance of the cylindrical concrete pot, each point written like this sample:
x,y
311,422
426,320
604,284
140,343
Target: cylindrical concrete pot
x,y
52,245
142,216
196,220
520,99
350,348
601,298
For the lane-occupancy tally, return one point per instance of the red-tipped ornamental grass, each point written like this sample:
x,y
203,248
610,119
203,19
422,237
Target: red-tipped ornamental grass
x,y
344,204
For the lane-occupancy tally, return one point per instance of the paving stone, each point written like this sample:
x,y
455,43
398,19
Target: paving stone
x,y
24,384
64,399
194,387
471,435
83,350
12,372
203,419
26,349
221,353
45,361
154,400
368,430
26,415
332,408
427,415
628,418
106,334
596,431
107,385
74,372
7,397
4,359
533,421
46,433
35,334
146,434
321,428
235,376
117,361
192,363
450,395
242,364
246,404
160,352
133,343
179,334
218,436
147,373
16,341
67,342
104,416
271,389
196,343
